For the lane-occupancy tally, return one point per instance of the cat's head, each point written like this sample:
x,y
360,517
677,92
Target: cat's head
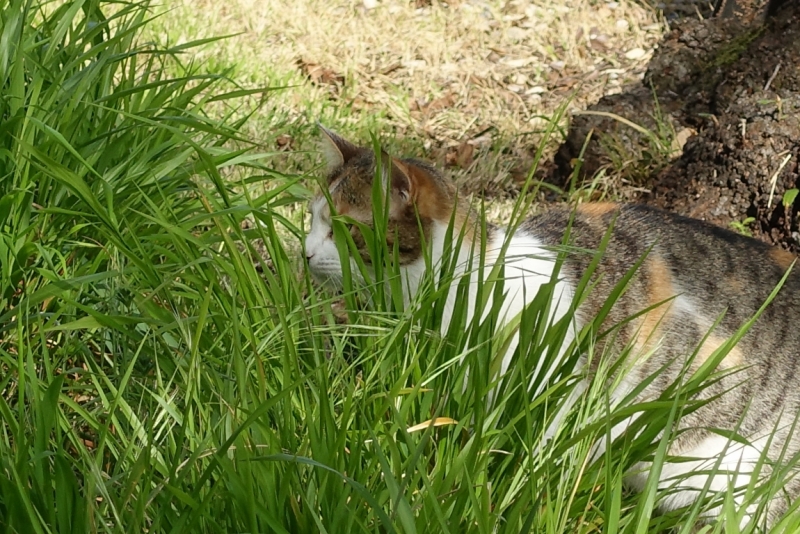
x,y
420,202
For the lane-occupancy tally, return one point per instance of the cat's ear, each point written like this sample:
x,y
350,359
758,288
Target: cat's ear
x,y
419,184
399,180
410,179
336,150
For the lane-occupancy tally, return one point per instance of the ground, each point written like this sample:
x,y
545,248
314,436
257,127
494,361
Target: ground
x,y
731,88
470,84
474,84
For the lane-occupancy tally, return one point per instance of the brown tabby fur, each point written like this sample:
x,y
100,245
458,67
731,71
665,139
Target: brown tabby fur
x,y
727,275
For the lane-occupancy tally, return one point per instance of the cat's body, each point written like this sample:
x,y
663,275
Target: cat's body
x,y
692,275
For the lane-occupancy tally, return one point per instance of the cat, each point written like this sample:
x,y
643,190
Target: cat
x,y
691,275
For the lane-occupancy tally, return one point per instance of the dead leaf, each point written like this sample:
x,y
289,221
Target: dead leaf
x,y
520,172
391,68
339,311
284,142
440,103
460,156
423,106
439,421
318,74
680,140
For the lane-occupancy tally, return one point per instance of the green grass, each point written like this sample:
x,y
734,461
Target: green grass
x,y
159,372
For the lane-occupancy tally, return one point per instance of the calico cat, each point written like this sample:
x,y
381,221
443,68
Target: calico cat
x,y
691,275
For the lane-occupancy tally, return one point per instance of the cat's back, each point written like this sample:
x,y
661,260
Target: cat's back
x,y
703,270
692,250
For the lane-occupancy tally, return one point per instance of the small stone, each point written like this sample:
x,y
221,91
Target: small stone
x,y
635,53
415,64
516,34
680,139
284,141
519,62
622,24
534,99
370,4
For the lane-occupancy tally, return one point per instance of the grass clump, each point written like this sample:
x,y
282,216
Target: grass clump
x,y
115,224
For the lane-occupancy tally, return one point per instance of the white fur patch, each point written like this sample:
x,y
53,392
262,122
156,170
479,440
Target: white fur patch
x,y
527,266
321,252
686,480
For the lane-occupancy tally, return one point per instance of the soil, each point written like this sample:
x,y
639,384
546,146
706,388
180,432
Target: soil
x,y
732,86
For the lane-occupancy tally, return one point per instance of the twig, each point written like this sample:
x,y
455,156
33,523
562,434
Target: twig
x,y
771,78
774,179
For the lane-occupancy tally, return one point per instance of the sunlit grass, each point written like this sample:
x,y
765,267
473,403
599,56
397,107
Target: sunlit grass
x,y
161,372
423,76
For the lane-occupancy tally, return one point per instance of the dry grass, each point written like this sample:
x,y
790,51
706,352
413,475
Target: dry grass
x,y
470,84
